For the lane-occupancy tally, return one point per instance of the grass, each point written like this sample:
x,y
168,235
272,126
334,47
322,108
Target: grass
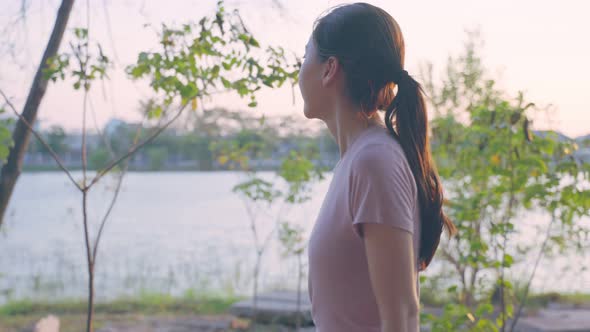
x,y
434,294
145,303
68,322
543,299
16,315
534,300
20,314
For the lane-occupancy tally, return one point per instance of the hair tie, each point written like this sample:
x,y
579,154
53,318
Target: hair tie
x,y
399,75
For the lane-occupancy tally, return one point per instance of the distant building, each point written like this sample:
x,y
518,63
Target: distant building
x,y
112,126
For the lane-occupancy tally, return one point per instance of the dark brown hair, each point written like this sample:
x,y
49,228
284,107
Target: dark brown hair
x,y
369,45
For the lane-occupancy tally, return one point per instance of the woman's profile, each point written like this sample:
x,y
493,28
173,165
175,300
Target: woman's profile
x,y
381,220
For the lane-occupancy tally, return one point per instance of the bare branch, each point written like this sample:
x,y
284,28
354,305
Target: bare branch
x,y
99,131
83,68
109,28
90,262
113,200
133,149
84,159
269,235
49,149
106,216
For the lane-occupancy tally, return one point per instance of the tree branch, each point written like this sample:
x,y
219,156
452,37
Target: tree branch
x,y
134,148
38,136
522,300
113,200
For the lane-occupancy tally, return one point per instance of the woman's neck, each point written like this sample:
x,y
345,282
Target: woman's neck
x,y
347,123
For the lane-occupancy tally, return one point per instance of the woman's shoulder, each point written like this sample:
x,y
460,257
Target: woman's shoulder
x,y
380,160
378,146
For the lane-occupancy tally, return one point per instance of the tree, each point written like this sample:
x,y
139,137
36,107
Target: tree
x,y
260,194
299,172
56,139
20,137
158,157
98,158
496,167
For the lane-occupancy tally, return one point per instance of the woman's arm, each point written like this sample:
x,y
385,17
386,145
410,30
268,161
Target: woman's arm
x,y
390,256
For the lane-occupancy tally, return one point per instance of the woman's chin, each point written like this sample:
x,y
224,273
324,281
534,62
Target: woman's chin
x,y
309,114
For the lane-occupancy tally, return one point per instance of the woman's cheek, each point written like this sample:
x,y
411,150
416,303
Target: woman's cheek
x,y
302,75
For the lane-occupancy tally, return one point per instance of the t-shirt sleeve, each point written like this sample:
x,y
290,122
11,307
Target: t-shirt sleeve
x,y
382,189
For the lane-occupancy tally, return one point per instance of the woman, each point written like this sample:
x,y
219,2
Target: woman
x,y
381,219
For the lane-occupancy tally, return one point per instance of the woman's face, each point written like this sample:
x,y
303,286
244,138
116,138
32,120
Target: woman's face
x,y
310,83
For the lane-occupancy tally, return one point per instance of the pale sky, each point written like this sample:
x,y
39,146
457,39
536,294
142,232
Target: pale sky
x,y
540,47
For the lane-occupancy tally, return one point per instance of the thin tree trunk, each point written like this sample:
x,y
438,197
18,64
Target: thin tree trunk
x,y
90,310
21,135
90,262
522,300
255,299
474,272
299,277
511,201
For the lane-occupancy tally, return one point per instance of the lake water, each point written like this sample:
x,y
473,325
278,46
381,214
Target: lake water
x,y
169,232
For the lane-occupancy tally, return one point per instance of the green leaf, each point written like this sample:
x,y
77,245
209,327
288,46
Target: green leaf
x,y
484,308
189,90
81,33
4,150
254,42
226,83
142,57
215,71
155,112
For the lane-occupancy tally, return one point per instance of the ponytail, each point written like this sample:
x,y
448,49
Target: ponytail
x,y
407,112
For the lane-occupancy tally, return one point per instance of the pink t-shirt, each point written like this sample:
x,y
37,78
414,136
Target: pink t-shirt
x,y
372,183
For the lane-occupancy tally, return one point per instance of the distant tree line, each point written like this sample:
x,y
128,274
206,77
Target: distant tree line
x,y
196,145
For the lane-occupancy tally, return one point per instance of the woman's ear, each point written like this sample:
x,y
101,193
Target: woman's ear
x,y
331,67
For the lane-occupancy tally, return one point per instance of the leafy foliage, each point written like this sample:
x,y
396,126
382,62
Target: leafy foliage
x,y
6,141
197,59
496,167
87,66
